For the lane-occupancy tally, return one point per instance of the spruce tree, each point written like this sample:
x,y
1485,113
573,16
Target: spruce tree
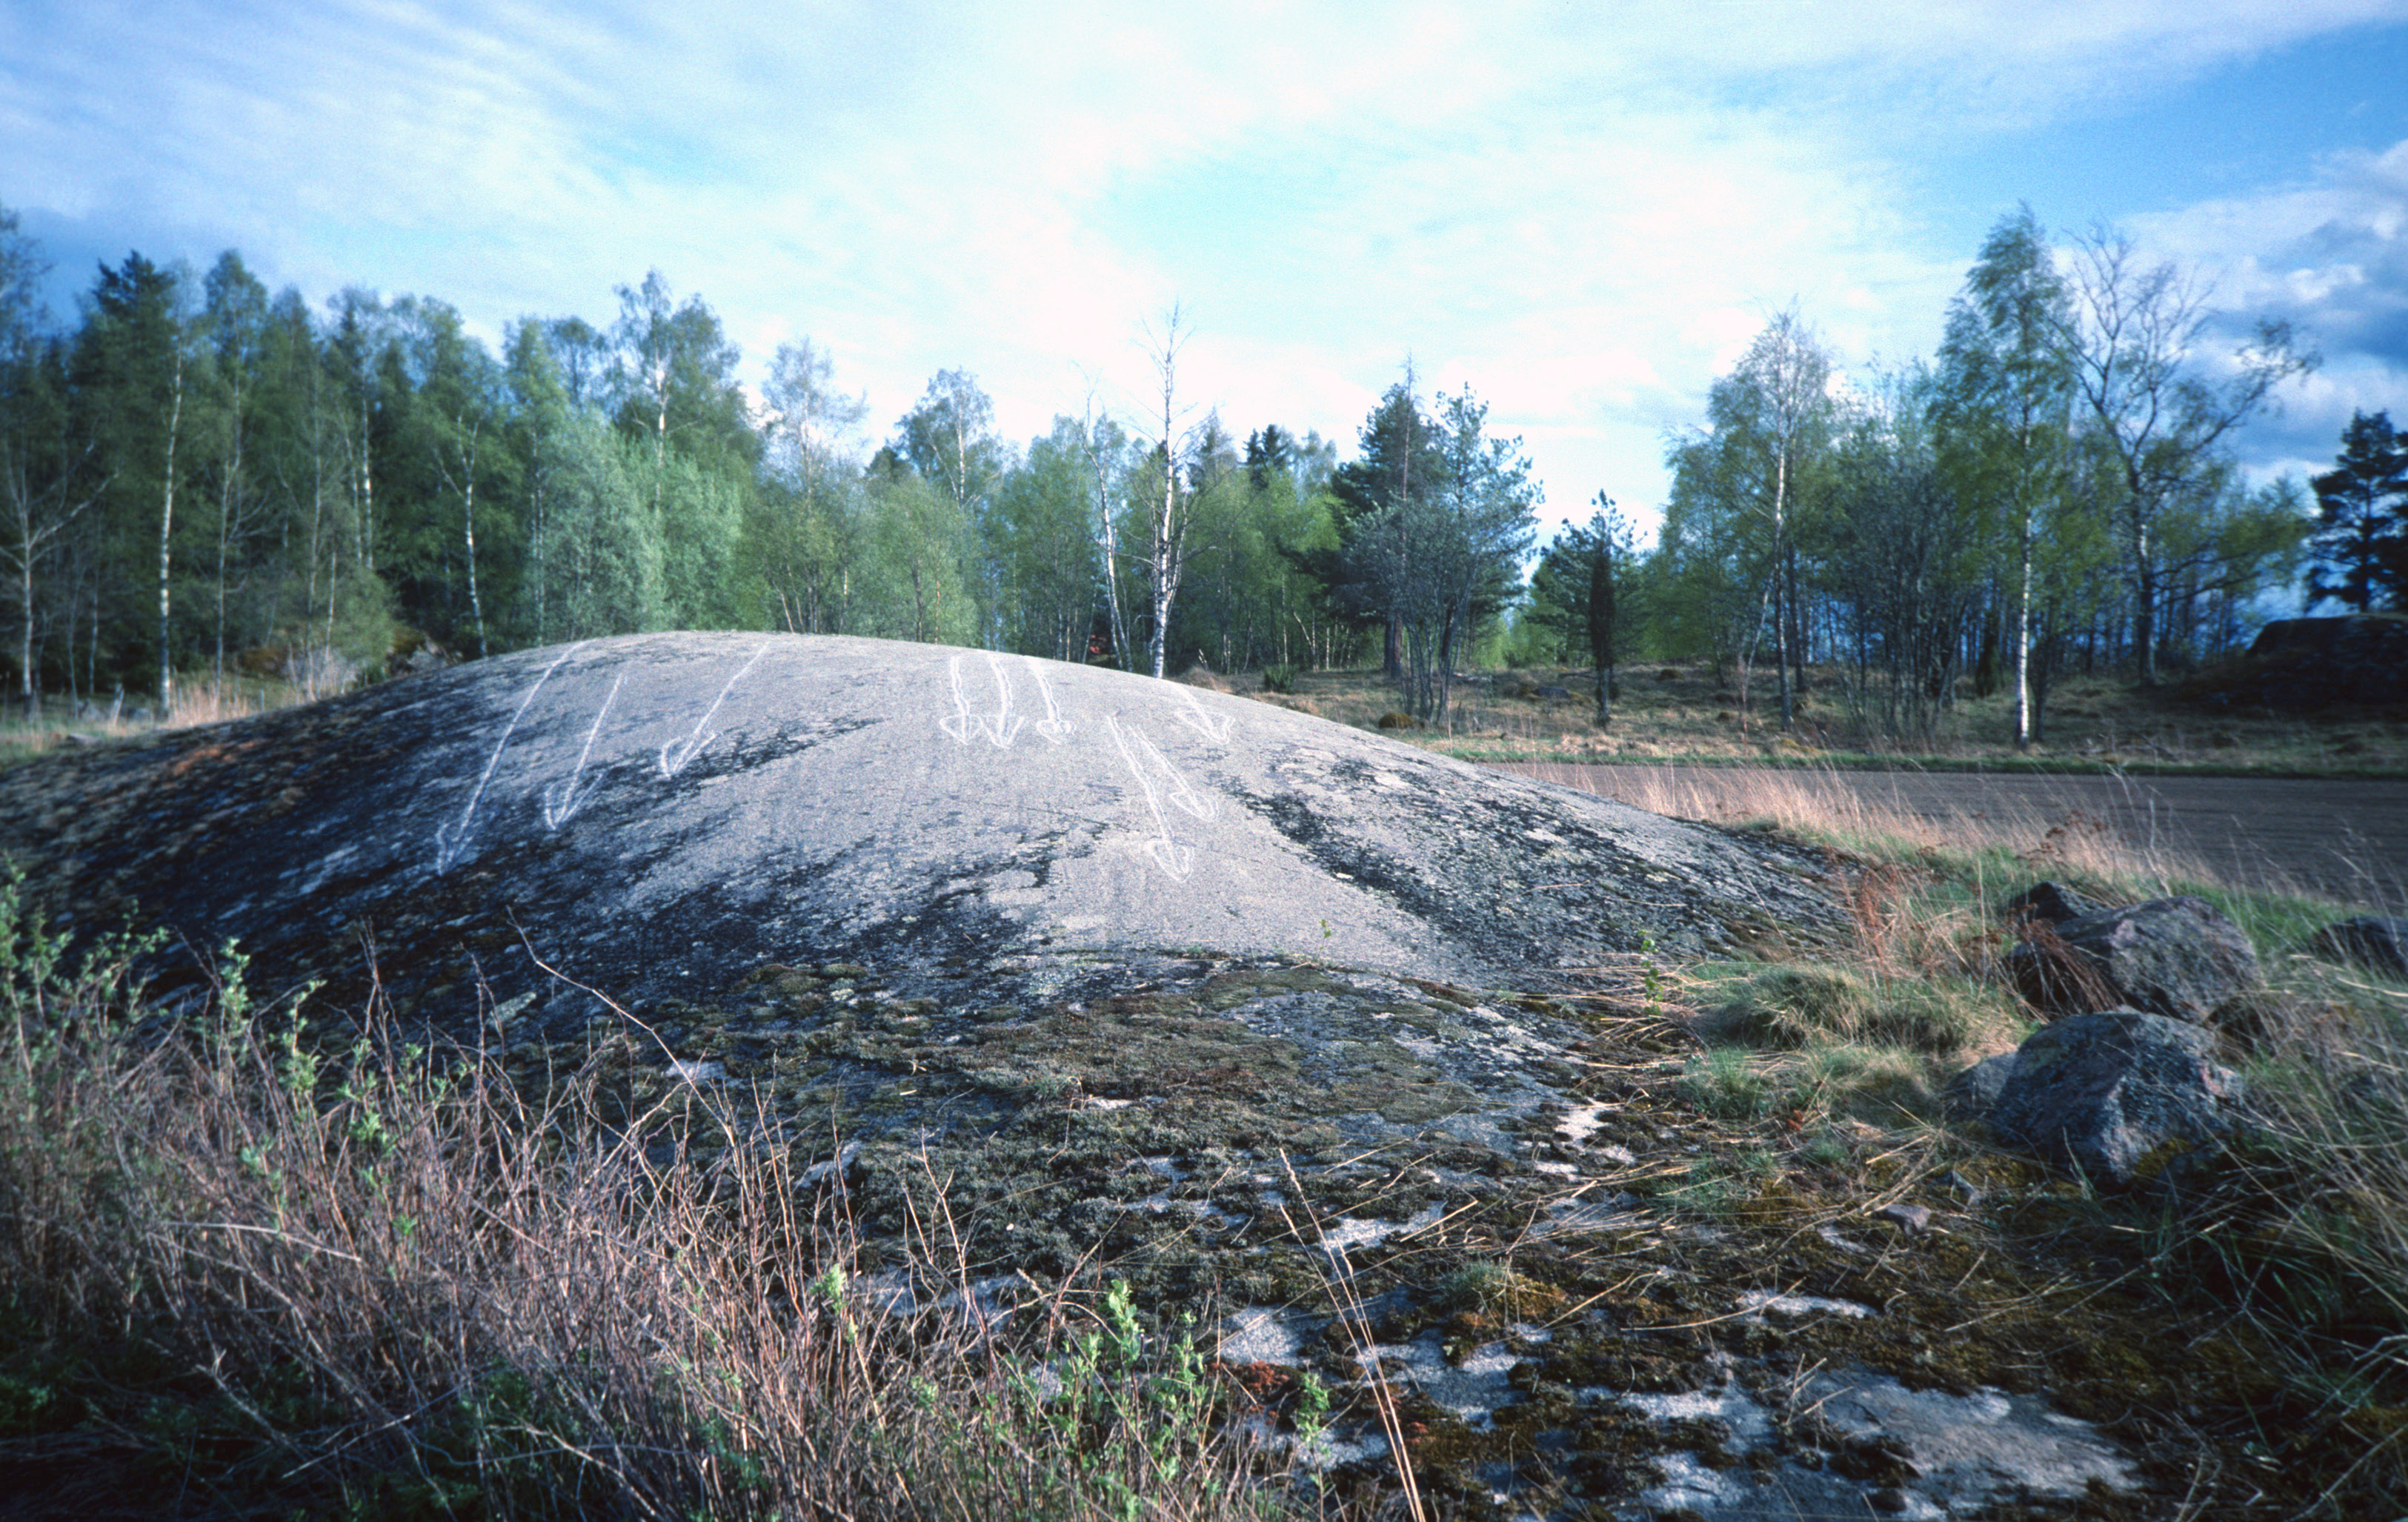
x,y
2360,542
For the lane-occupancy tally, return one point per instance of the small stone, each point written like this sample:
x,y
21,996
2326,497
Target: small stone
x,y
1889,1498
1915,1220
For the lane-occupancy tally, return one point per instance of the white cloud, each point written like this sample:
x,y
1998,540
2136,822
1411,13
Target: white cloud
x,y
2328,254
1585,214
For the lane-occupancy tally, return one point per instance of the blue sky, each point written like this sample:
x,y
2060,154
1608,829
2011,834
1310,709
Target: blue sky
x,y
1584,211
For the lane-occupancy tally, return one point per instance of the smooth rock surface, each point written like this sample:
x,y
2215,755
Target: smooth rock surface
x,y
2181,958
659,813
2125,1097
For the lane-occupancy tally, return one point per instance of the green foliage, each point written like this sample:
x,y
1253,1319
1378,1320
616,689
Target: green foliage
x,y
1554,626
207,473
1722,1186
917,571
1432,519
1728,1083
1044,542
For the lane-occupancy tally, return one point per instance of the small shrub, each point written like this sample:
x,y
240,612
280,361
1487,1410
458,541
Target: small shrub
x,y
1279,679
1882,1086
1394,720
1722,1186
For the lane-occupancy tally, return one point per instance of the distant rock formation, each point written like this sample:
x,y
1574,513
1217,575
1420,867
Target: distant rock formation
x,y
2305,663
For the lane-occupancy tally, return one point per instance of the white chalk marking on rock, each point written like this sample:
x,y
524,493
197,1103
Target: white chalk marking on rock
x,y
1198,804
1054,728
452,839
999,728
1172,857
1191,714
560,800
675,754
1758,1302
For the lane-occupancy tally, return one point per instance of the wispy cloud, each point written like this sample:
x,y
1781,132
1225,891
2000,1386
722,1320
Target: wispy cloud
x,y
2328,254
1583,212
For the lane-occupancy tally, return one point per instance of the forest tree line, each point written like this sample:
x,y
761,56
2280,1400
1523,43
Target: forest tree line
x,y
2055,490
201,477
204,477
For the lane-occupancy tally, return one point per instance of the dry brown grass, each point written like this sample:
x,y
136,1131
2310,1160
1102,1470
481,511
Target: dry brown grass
x,y
194,702
1681,711
1816,804
242,1279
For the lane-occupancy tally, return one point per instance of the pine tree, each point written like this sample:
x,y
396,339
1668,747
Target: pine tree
x,y
2361,537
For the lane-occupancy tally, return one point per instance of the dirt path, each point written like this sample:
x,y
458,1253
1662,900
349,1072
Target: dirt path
x,y
2346,840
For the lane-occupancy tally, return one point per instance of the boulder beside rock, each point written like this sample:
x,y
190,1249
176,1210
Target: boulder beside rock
x,y
2125,1096
1971,1095
2181,958
2051,903
2376,941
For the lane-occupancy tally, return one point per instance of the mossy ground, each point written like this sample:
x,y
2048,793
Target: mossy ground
x,y
1578,1179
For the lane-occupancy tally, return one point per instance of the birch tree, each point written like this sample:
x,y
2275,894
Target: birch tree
x,y
1740,486
1105,448
2005,408
49,473
141,356
235,312
2136,335
1784,395
804,531
1166,548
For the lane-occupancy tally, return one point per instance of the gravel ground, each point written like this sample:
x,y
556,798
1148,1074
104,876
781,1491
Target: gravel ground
x,y
2348,840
